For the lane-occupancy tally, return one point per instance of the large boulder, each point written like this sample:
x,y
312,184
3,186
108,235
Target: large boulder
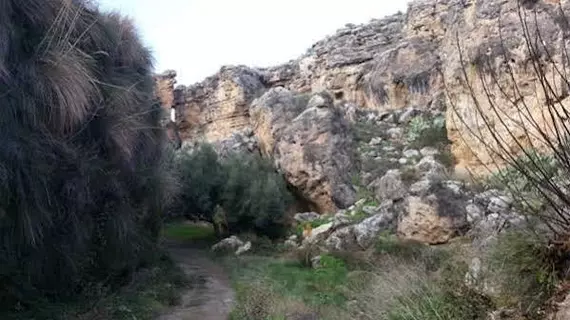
x,y
310,142
434,218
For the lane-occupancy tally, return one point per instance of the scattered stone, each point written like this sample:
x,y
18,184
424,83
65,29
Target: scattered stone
x,y
362,235
341,219
403,161
294,237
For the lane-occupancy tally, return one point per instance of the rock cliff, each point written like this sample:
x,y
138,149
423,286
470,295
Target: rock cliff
x,y
409,60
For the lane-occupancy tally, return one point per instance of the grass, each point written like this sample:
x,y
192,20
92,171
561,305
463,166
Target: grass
x,y
272,287
151,290
187,232
524,271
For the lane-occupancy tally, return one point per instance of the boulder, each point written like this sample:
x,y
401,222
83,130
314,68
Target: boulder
x,y
430,168
362,235
390,186
230,244
310,144
433,218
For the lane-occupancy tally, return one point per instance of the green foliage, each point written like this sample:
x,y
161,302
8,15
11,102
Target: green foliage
x,y
423,132
188,232
524,269
524,171
201,177
251,194
255,196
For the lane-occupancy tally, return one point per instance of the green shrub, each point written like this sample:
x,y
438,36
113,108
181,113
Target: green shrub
x,y
201,178
242,192
423,132
255,197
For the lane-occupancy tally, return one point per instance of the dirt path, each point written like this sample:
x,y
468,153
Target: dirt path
x,y
212,298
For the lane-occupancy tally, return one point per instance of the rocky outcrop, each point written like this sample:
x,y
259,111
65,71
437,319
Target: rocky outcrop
x,y
310,142
397,62
219,106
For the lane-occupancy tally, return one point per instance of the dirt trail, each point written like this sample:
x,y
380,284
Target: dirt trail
x,y
212,298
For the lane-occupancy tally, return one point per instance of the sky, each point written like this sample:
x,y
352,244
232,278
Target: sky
x,y
197,37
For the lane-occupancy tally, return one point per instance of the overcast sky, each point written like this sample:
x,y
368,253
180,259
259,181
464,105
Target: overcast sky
x,y
197,37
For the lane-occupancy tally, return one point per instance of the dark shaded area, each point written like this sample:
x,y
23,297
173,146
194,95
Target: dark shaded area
x,y
81,186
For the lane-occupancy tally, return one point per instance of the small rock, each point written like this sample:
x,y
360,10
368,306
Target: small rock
x,y
411,153
290,244
395,133
403,161
307,216
455,186
375,141
474,213
370,210
390,186
360,203
294,237
316,262
243,249
429,151
340,220
431,169
421,187
500,204
319,233
472,276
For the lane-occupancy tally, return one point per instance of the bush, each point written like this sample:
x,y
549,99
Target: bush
x,y
243,192
81,176
423,132
201,179
255,196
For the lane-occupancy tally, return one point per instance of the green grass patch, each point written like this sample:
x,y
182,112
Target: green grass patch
x,y
188,232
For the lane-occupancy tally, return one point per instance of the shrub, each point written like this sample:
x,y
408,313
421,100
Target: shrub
x,y
423,132
201,179
255,197
81,181
242,192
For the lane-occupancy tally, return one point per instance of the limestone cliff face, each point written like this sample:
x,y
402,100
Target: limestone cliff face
x,y
400,61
